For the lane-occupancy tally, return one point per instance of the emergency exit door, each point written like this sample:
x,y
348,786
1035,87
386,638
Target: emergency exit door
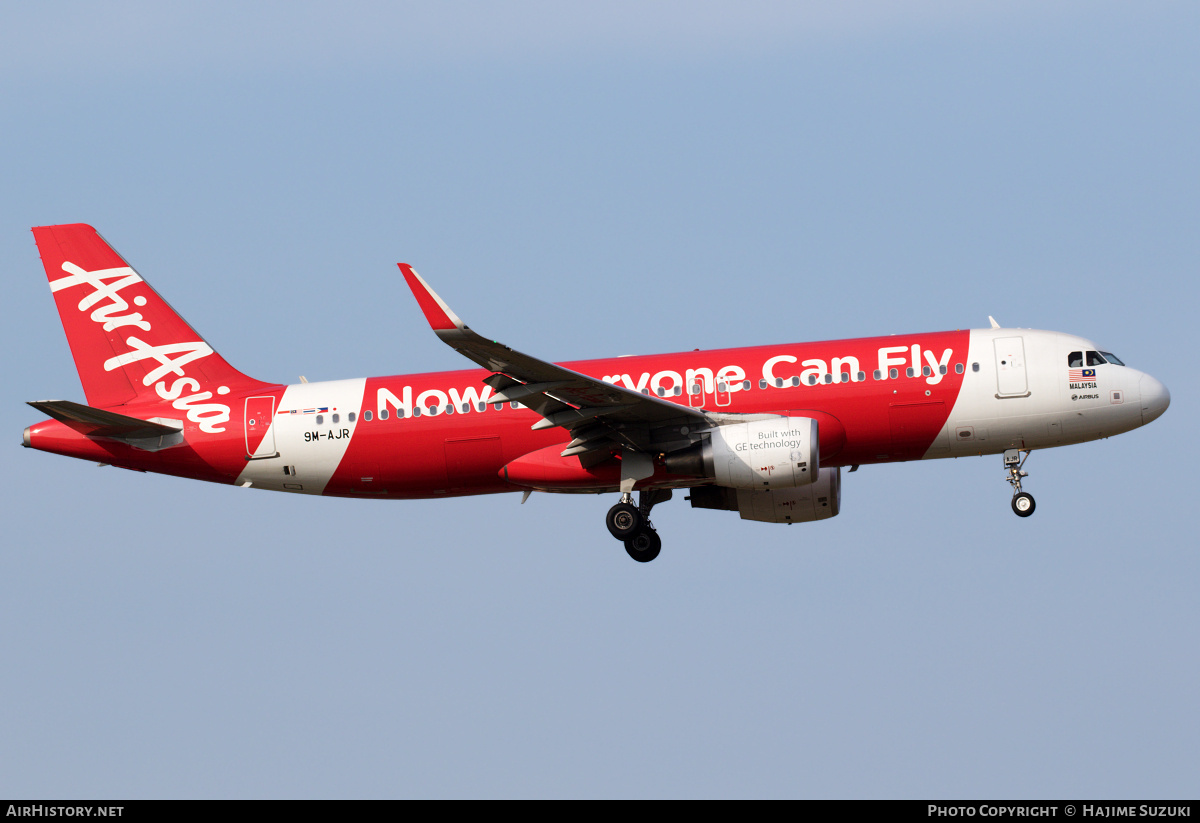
x,y
1011,380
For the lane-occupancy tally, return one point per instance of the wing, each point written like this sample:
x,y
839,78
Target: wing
x,y
601,418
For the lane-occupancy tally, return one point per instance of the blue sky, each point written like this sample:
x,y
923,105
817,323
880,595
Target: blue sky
x,y
583,182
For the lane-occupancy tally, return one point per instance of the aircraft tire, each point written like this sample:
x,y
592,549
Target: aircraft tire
x,y
1023,504
644,546
624,520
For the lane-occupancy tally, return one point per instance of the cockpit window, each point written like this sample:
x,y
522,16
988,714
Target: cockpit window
x,y
1112,358
1094,359
1075,360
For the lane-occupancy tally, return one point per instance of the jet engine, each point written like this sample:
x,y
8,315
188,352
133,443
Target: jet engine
x,y
779,453
802,504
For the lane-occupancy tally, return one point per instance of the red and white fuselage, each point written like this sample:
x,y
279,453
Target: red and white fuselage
x,y
874,400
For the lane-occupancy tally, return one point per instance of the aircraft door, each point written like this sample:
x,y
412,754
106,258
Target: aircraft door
x,y
1010,367
260,439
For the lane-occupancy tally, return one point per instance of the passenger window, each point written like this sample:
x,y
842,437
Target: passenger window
x,y
383,414
350,417
762,384
415,412
862,375
466,407
746,385
795,381
1075,360
974,367
367,415
779,382
909,371
925,370
958,368
878,375
1094,359
320,419
483,406
893,373
335,418
812,380
828,377
941,369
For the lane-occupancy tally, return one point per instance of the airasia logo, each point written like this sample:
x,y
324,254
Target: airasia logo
x,y
110,309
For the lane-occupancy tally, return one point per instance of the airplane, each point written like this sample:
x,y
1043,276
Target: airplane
x,y
763,431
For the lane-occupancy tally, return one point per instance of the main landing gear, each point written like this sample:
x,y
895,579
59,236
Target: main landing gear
x,y
631,524
1022,502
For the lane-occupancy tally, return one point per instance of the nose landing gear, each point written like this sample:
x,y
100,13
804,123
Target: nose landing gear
x,y
631,524
1022,503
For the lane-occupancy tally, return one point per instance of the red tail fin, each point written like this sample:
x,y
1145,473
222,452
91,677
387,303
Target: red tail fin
x,y
129,344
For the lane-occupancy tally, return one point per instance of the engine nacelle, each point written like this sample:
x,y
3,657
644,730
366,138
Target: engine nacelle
x,y
766,454
817,501
801,504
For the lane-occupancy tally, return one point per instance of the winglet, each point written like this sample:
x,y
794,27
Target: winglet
x,y
992,320
436,311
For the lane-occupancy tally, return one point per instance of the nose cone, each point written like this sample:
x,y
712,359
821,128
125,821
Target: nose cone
x,y
1155,398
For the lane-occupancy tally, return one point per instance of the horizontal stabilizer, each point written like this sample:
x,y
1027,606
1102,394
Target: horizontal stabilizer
x,y
100,423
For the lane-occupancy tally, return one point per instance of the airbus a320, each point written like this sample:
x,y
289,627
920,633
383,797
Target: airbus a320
x,y
762,431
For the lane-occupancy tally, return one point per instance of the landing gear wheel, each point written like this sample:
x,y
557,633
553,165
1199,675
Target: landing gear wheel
x,y
624,520
644,546
1022,502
